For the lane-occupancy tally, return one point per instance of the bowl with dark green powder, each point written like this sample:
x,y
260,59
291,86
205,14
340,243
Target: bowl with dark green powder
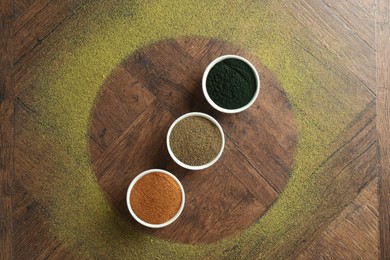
x,y
195,141
231,84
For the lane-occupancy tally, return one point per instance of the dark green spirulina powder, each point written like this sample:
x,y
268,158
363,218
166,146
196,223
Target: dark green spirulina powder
x,y
195,140
231,83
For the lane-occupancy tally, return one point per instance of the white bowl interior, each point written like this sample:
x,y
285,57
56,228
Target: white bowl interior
x,y
198,167
134,181
206,94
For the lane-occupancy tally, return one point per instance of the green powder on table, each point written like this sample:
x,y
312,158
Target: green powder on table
x,y
195,140
231,83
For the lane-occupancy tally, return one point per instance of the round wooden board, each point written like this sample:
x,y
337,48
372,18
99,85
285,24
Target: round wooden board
x,y
134,110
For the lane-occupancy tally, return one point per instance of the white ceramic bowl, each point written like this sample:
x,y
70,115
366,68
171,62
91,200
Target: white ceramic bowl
x,y
206,94
198,167
139,176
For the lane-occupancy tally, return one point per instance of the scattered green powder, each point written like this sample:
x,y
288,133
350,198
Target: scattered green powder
x,y
98,37
231,83
195,140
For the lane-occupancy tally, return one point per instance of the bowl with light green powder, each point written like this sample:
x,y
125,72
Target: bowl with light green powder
x,y
230,84
195,141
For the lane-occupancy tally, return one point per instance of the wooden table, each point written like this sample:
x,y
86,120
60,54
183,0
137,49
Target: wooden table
x,y
88,90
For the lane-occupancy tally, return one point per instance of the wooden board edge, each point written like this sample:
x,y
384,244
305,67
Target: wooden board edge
x,y
382,25
6,128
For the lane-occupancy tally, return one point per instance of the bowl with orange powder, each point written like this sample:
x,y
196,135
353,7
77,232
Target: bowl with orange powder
x,y
155,198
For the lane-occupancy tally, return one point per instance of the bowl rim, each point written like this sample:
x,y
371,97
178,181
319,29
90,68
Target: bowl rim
x,y
198,167
128,194
206,94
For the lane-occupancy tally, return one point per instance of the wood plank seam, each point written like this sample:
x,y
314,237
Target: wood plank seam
x,y
330,185
253,168
273,186
297,42
45,255
382,19
369,113
40,40
18,5
359,136
31,112
346,25
310,240
365,7
232,209
359,220
23,105
345,59
29,20
359,117
6,129
22,6
114,144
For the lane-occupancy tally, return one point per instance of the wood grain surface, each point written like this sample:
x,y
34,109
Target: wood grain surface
x,y
6,129
348,39
353,166
383,126
360,219
146,93
331,31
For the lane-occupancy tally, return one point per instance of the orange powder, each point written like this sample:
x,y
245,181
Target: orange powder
x,y
155,198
